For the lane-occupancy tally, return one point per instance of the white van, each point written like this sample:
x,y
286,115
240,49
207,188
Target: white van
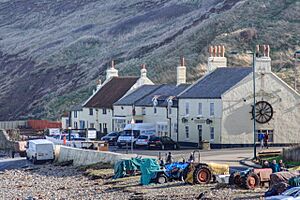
x,y
41,149
137,130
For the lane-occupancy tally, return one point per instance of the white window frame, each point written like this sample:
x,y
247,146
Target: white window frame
x,y
75,114
91,111
187,108
200,109
212,109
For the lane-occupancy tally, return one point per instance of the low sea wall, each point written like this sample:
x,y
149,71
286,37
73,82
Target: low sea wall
x,y
291,153
87,157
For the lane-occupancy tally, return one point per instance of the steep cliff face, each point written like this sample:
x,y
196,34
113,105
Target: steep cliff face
x,y
51,52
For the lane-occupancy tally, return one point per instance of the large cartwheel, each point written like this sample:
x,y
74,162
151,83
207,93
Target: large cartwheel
x,y
202,174
263,112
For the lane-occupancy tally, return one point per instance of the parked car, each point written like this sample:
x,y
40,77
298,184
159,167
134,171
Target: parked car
x,y
40,150
142,141
111,138
163,143
137,130
290,194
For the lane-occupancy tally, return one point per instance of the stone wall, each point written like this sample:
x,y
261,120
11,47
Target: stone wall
x,y
87,157
292,154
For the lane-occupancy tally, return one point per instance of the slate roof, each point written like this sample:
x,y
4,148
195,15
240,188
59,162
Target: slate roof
x,y
77,107
136,95
111,92
163,92
216,83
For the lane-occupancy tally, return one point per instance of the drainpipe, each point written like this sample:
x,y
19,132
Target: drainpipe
x,y
177,121
169,118
112,119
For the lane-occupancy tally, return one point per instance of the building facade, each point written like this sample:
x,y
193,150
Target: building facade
x,y
97,111
219,107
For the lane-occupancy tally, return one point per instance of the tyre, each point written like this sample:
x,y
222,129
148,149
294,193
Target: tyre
x,y
161,178
235,179
251,181
202,175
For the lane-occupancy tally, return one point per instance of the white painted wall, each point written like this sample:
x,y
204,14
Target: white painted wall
x,y
237,126
194,119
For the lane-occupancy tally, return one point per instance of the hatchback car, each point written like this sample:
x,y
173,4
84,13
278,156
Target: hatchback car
x,y
111,138
142,141
162,143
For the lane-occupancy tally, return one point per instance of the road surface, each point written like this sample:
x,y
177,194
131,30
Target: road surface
x,y
14,163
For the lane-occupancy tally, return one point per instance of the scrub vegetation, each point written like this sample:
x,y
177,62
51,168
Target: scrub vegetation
x,y
52,52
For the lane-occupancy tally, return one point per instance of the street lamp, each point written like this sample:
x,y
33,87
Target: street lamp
x,y
132,124
253,53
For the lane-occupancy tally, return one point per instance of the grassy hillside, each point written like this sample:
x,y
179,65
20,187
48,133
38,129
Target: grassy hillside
x,y
52,52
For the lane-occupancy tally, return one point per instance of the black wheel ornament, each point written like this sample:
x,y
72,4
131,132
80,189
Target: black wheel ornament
x,y
263,112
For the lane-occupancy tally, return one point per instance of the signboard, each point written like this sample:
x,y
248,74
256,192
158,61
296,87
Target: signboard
x,y
54,131
92,134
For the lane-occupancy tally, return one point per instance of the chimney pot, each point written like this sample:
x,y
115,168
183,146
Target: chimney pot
x,y
223,51
182,61
113,64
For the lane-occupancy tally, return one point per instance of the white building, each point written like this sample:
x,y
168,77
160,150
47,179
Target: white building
x,y
218,107
155,104
97,111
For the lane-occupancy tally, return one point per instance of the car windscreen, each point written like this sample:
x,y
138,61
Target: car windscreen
x,y
143,137
136,133
112,134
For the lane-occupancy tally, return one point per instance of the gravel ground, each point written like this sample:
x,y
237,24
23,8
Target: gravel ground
x,y
56,182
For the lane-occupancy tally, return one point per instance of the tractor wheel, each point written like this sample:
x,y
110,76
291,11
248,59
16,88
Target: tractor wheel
x,y
202,175
161,178
251,181
235,179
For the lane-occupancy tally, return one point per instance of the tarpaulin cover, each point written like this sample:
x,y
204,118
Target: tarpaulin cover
x,y
175,168
122,167
219,168
149,167
297,168
190,174
282,177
